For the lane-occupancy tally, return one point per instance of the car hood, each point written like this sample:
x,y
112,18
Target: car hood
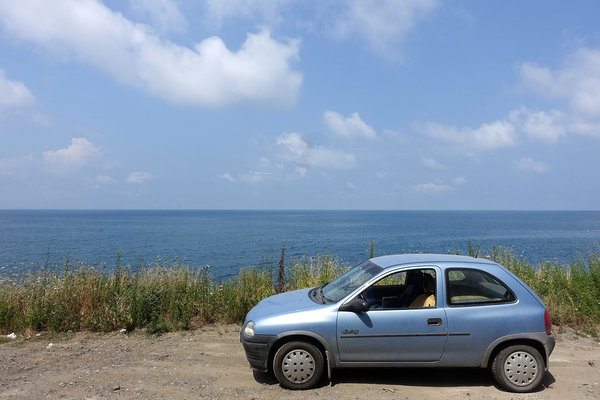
x,y
281,304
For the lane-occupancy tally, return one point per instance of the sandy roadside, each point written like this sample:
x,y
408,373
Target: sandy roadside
x,y
209,363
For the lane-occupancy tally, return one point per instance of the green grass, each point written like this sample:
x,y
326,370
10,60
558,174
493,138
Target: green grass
x,y
169,295
571,292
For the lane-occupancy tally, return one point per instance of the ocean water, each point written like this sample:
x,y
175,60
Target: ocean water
x,y
230,240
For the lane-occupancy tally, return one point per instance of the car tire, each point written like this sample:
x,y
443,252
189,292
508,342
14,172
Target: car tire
x,y
519,368
298,365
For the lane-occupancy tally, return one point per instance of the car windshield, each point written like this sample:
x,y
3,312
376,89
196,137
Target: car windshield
x,y
346,283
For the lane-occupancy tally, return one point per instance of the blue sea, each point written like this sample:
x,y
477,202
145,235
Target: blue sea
x,y
230,240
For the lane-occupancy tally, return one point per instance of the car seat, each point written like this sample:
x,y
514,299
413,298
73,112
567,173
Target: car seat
x,y
427,298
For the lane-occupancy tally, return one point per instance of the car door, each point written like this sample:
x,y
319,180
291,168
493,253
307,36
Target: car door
x,y
393,332
480,308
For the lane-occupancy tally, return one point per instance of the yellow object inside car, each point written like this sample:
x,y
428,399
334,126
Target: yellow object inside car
x,y
423,300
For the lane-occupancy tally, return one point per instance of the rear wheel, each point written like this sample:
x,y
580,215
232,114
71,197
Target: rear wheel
x,y
298,365
519,368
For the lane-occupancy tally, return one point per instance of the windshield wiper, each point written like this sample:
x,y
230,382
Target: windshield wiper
x,y
317,295
325,298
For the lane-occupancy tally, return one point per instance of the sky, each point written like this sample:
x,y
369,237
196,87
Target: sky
x,y
284,104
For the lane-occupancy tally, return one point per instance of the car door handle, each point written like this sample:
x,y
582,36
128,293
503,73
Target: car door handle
x,y
434,322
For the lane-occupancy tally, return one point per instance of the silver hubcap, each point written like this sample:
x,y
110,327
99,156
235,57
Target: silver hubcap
x,y
298,366
521,368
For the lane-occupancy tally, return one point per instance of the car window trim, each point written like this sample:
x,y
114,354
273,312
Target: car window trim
x,y
478,303
405,268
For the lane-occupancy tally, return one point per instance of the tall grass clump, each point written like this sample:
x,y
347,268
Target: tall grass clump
x,y
314,271
170,295
165,295
571,292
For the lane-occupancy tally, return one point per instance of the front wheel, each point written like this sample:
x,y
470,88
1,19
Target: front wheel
x,y
519,368
298,365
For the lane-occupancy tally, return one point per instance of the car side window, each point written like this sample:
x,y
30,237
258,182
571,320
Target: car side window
x,y
466,286
406,289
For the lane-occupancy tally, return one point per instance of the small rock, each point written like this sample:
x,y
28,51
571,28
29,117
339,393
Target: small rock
x,y
591,363
123,330
50,346
12,336
116,387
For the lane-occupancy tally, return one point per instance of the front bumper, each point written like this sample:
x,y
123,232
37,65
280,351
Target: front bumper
x,y
257,350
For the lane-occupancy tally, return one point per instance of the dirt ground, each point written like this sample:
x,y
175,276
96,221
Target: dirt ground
x,y
209,363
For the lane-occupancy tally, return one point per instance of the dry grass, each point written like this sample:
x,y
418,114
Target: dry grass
x,y
169,295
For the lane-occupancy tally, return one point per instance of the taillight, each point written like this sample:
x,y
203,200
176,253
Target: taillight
x,y
548,322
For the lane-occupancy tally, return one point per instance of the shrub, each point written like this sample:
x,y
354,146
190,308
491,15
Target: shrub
x,y
168,295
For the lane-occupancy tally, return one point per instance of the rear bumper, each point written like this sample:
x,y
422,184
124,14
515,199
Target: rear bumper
x,y
549,346
257,350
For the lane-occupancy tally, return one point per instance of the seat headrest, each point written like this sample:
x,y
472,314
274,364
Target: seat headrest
x,y
429,283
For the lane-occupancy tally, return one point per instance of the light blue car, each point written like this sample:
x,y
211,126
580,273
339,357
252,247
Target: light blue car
x,y
411,310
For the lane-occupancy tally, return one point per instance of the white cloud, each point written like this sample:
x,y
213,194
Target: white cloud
x,y
431,163
14,93
254,176
488,136
459,180
547,126
294,148
528,164
578,81
352,126
437,187
76,155
584,126
301,171
218,10
351,186
208,74
431,188
163,14
139,177
539,79
227,176
104,179
382,23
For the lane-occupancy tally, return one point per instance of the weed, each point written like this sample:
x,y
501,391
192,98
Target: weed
x,y
168,295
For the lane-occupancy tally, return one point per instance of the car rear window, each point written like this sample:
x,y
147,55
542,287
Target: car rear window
x,y
466,286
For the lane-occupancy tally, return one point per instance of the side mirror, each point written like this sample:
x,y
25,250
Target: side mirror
x,y
355,305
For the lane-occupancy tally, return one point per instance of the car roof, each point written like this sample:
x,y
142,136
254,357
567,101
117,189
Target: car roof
x,y
400,259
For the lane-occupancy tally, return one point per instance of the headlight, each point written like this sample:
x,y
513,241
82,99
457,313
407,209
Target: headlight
x,y
249,329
